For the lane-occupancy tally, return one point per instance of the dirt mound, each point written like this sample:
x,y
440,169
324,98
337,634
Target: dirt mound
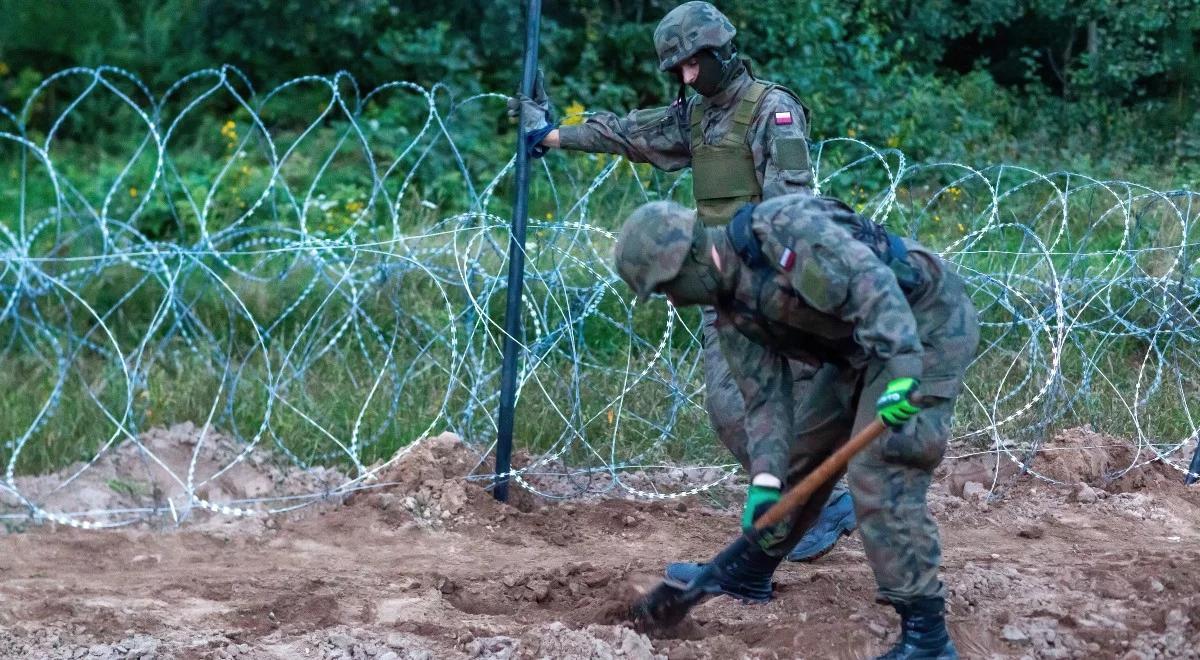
x,y
1082,455
150,477
427,481
969,476
1074,457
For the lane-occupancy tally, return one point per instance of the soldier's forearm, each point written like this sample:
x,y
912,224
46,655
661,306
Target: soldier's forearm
x,y
551,139
606,133
594,137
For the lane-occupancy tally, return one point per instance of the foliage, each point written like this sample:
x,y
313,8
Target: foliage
x,y
941,78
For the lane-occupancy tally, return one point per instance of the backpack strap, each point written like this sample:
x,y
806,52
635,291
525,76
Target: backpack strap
x,y
909,278
744,241
887,247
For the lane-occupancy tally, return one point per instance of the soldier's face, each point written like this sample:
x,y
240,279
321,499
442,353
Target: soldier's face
x,y
689,70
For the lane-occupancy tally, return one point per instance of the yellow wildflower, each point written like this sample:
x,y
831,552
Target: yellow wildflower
x,y
573,114
229,130
549,215
354,206
4,69
961,228
851,132
893,141
133,192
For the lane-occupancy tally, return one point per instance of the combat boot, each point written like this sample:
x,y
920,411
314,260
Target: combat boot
x,y
742,570
836,520
923,634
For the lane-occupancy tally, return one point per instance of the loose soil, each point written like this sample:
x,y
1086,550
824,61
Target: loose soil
x,y
432,567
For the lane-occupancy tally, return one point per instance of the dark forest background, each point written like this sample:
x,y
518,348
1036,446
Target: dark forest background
x,y
1107,85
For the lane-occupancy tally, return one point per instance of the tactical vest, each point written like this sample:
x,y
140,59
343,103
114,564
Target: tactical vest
x,y
888,247
723,174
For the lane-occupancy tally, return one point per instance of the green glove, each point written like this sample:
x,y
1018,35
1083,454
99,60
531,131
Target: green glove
x,y
758,500
893,405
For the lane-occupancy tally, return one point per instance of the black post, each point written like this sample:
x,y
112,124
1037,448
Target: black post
x,y
1194,470
516,268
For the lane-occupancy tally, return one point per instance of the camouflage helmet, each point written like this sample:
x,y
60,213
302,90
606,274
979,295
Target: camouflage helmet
x,y
652,245
688,29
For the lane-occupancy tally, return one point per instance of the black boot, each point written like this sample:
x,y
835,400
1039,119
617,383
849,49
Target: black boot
x,y
741,570
923,634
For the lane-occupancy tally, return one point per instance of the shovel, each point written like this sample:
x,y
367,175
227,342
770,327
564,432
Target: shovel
x,y
667,604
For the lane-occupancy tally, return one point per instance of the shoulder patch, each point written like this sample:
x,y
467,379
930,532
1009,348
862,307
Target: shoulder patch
x,y
783,118
790,153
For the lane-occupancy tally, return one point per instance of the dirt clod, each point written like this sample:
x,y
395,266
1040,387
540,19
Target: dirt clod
x,y
1031,532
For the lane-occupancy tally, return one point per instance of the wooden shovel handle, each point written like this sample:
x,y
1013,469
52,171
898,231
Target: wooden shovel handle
x,y
799,494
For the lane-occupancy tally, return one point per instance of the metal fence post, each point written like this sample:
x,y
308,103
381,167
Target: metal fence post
x,y
516,269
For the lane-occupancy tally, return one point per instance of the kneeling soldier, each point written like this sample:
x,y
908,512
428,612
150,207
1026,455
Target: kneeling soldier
x,y
805,278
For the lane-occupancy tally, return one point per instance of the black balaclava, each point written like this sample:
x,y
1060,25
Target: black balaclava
x,y
717,69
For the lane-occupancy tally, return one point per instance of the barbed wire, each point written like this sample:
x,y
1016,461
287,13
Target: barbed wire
x,y
319,290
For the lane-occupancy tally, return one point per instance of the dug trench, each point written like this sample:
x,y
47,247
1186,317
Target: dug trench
x,y
432,567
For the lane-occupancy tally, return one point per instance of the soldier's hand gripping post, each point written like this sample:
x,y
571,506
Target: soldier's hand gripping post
x,y
534,116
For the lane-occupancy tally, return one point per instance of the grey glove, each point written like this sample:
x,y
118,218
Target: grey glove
x,y
533,113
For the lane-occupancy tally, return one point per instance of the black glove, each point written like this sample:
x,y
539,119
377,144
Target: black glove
x,y
534,116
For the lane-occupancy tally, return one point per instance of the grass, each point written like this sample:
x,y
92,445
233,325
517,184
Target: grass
x,y
389,328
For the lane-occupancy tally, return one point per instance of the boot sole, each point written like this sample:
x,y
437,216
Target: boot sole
x,y
745,599
812,558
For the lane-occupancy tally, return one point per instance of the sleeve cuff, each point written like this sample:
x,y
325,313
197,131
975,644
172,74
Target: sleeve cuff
x,y
570,137
902,366
767,466
767,481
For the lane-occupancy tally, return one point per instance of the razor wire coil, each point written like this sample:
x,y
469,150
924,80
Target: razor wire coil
x,y
249,289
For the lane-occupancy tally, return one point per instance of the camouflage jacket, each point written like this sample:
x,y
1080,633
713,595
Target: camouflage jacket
x,y
827,298
662,136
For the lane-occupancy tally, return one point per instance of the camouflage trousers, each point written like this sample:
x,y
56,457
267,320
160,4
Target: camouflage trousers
x,y
727,410
888,481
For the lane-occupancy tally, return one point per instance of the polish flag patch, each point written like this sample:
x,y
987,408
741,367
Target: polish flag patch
x,y
783,119
787,260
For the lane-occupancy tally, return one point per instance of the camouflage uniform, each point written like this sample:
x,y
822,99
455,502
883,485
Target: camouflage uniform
x,y
826,298
773,126
663,136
